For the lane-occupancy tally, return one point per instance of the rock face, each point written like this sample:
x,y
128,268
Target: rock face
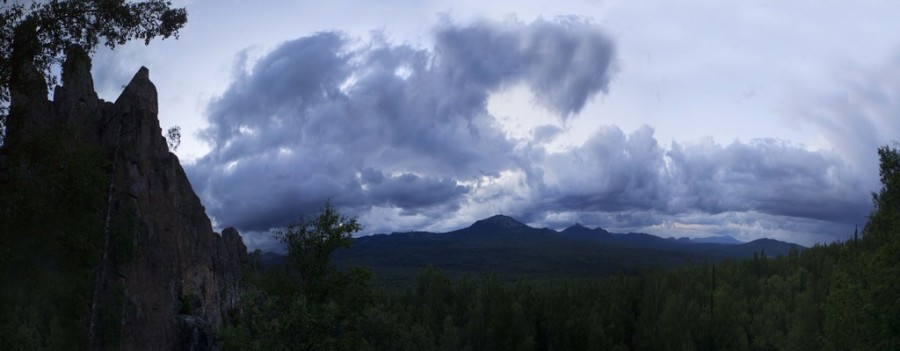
x,y
173,279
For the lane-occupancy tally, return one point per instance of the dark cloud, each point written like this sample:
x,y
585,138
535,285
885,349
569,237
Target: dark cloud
x,y
768,176
410,191
383,125
631,183
402,137
564,63
610,172
745,226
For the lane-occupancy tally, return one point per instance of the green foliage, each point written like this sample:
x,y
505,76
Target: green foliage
x,y
864,303
884,219
310,242
760,304
734,305
308,305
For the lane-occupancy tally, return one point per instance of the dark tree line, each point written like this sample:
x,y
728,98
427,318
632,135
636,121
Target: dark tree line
x,y
841,296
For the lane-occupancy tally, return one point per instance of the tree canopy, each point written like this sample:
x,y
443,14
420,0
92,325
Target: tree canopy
x,y
57,24
310,242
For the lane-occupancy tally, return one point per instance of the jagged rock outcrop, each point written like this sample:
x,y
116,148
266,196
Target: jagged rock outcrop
x,y
171,278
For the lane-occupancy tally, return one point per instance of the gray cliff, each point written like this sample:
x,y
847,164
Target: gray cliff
x,y
174,280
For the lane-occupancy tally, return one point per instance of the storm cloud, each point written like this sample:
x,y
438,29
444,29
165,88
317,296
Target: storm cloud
x,y
766,187
768,176
402,136
384,125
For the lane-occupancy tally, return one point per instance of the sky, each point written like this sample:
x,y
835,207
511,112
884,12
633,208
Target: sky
x,y
690,118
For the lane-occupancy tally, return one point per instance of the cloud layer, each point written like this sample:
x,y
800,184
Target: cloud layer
x,y
402,137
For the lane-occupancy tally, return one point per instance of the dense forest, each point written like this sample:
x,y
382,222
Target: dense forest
x,y
510,250
839,296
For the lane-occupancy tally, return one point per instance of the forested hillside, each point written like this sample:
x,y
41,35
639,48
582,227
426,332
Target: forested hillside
x,y
840,296
512,250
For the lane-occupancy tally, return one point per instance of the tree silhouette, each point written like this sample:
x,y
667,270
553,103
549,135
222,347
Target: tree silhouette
x,y
310,242
173,138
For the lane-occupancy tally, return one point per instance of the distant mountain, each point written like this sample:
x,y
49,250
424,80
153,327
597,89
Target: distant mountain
x,y
723,239
580,231
640,239
511,249
767,247
500,223
502,227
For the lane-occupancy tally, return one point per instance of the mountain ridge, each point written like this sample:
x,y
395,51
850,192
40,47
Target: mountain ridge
x,y
718,239
506,223
507,247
